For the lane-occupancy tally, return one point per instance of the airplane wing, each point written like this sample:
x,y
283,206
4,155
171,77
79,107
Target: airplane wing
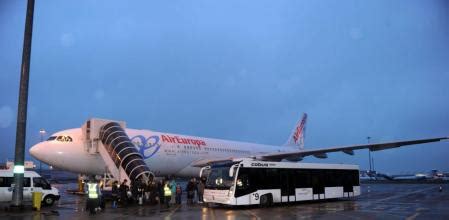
x,y
322,152
206,162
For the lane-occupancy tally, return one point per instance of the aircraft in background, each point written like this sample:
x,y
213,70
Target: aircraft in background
x,y
432,175
182,155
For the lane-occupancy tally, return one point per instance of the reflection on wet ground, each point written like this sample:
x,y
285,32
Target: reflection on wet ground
x,y
378,201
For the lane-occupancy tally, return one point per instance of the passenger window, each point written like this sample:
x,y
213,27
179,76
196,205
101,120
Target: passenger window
x,y
9,181
272,178
26,182
41,182
6,181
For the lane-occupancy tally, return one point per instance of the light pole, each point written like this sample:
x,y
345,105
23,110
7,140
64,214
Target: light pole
x,y
19,155
369,153
42,132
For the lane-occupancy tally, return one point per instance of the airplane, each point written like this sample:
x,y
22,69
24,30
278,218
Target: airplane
x,y
417,176
169,154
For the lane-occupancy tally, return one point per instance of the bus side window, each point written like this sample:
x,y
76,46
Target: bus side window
x,y
333,178
257,178
302,179
272,178
355,177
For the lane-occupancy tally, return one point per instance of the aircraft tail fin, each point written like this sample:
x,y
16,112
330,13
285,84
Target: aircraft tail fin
x,y
297,137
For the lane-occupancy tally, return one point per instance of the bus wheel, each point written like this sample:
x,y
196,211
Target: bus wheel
x,y
266,200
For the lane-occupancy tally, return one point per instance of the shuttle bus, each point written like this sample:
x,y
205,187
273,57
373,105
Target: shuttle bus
x,y
251,182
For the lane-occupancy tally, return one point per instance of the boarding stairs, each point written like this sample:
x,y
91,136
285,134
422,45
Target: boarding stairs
x,y
109,139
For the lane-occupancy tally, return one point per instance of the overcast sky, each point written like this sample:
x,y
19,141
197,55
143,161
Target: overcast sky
x,y
240,70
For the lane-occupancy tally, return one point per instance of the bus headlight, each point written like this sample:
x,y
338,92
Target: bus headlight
x,y
231,190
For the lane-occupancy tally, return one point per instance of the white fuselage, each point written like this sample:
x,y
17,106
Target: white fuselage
x,y
164,153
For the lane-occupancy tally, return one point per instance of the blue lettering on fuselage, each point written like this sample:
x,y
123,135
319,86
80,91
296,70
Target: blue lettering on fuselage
x,y
147,146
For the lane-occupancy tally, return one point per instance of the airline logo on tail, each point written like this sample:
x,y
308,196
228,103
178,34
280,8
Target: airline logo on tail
x,y
300,129
298,134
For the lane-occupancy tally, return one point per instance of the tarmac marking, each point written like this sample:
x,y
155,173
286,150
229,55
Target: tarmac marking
x,y
406,194
213,213
252,214
413,216
393,214
346,216
171,213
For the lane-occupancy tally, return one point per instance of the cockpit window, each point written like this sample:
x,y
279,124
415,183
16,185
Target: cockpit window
x,y
51,138
64,138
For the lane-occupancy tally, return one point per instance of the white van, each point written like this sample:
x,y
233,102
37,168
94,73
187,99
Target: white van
x,y
32,182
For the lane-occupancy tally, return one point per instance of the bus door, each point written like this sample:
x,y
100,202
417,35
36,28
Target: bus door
x,y
287,186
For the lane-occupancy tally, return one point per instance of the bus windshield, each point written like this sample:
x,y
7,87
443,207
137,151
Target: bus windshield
x,y
219,178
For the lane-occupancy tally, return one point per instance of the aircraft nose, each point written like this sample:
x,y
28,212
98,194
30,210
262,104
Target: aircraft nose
x,y
36,151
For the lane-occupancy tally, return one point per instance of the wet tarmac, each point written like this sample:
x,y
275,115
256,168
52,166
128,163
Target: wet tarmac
x,y
378,201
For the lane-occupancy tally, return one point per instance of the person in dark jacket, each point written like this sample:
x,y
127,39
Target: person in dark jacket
x,y
200,188
147,191
195,189
141,191
134,190
115,194
124,188
178,193
190,191
160,189
154,193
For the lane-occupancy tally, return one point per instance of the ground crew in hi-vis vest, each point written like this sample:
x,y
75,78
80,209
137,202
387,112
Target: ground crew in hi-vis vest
x,y
93,195
167,194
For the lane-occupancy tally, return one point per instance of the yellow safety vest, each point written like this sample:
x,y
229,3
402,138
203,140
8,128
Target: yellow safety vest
x,y
167,191
92,190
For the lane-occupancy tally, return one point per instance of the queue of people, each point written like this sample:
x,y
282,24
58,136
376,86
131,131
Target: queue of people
x,y
195,187
163,192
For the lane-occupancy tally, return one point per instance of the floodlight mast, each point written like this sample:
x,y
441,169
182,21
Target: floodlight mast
x,y
19,156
